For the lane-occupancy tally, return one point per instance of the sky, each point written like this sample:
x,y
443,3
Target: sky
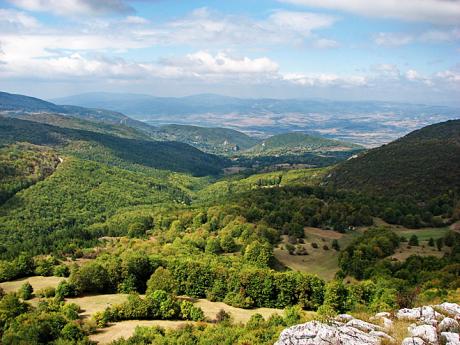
x,y
392,50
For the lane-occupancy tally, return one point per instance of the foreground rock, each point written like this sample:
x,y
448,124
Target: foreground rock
x,y
431,325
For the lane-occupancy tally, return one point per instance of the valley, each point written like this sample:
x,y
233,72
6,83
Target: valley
x,y
107,225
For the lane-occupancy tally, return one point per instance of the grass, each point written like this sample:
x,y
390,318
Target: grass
x,y
37,283
95,303
125,329
323,263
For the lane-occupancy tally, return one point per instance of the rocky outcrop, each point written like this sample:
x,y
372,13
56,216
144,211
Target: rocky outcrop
x,y
431,325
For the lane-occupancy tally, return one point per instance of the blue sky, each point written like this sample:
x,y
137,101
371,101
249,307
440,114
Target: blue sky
x,y
338,49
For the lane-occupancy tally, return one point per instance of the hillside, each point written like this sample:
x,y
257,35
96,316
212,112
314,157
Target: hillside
x,y
15,105
22,165
110,149
297,143
214,140
424,163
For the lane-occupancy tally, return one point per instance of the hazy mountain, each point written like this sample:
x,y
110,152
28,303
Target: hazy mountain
x,y
370,123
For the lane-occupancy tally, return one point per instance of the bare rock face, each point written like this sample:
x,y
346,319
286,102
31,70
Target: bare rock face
x,y
430,326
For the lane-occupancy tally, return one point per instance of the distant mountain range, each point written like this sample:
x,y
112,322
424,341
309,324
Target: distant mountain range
x,y
369,123
224,141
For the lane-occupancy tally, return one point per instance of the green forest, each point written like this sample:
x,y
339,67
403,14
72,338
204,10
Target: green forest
x,y
160,226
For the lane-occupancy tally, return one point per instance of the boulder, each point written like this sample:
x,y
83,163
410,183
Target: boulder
x,y
451,309
317,333
449,325
344,317
387,323
363,325
426,332
413,341
449,338
423,314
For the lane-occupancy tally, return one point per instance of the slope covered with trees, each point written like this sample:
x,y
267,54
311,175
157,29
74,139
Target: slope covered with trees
x,y
299,143
423,164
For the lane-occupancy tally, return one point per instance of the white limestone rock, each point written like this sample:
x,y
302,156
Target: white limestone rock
x,y
344,318
413,341
426,332
452,309
317,333
449,325
423,314
363,325
449,338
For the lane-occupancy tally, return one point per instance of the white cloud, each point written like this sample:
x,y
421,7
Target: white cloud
x,y
450,76
393,39
11,20
324,43
433,11
431,36
323,80
74,7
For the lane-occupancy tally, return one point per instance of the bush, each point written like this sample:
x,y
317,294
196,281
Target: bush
x,y
314,245
71,310
222,316
72,331
162,279
46,292
236,299
335,245
26,291
190,312
413,241
61,271
65,289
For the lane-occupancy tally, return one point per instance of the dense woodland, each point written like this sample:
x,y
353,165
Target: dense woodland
x,y
158,219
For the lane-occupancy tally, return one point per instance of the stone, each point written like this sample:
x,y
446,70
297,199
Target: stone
x,y
382,315
364,326
344,317
413,341
449,325
423,314
426,332
452,309
449,338
382,335
387,323
317,333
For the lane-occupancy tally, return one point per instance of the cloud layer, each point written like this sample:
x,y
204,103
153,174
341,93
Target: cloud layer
x,y
434,11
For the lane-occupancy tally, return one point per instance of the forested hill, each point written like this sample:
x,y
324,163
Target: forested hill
x,y
299,142
13,104
110,149
221,140
424,164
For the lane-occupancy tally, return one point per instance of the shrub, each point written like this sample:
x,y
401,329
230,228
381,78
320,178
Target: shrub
x,y
314,245
236,299
222,316
190,312
46,292
65,289
162,279
71,310
413,240
61,271
26,291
